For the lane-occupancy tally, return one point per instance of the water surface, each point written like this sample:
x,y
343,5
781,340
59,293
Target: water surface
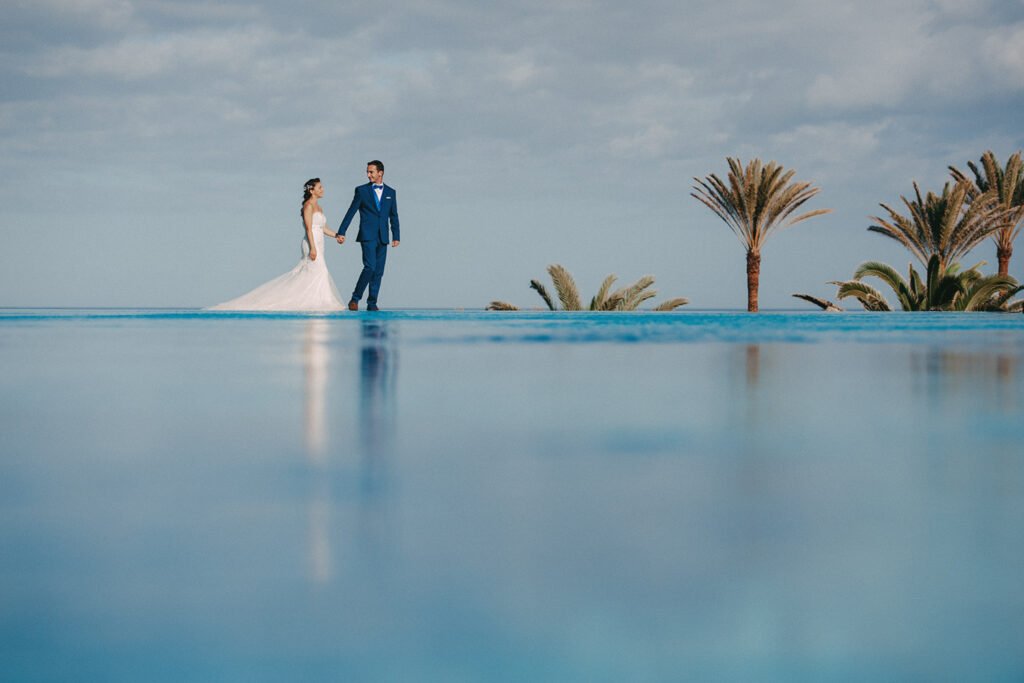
x,y
454,495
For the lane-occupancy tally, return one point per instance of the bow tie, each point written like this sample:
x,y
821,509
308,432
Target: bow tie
x,y
378,187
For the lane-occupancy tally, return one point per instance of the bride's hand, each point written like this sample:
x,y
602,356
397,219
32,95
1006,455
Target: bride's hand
x,y
312,254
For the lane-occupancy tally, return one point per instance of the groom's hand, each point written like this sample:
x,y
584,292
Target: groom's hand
x,y
395,243
340,238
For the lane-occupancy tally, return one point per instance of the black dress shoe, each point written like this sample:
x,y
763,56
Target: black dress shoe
x,y
353,305
372,307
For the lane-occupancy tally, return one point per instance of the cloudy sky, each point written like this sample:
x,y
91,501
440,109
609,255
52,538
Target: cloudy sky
x,y
153,152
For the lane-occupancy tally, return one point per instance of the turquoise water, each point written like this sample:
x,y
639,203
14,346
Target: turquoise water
x,y
466,496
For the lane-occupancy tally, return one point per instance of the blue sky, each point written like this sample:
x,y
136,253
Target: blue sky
x,y
153,153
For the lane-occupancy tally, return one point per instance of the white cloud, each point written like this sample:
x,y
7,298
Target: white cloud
x,y
836,148
649,139
916,55
1004,47
519,70
105,14
148,56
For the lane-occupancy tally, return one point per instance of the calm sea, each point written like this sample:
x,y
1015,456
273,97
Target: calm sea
x,y
473,496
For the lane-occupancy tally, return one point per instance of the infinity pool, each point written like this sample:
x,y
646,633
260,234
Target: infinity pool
x,y
477,496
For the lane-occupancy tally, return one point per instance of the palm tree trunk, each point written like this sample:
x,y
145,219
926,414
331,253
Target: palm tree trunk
x,y
1004,254
753,278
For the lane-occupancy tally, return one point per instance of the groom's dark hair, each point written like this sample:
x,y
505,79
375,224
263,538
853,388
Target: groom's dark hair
x,y
378,164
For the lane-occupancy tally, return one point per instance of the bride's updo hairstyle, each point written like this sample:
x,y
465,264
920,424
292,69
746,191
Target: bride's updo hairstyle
x,y
307,191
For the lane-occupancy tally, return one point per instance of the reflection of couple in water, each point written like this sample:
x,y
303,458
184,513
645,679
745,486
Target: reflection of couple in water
x,y
309,286
377,373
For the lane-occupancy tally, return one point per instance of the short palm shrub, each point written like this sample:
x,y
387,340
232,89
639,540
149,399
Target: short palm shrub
x,y
626,298
942,288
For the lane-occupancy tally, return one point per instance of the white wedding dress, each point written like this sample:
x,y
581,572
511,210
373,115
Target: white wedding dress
x,y
306,287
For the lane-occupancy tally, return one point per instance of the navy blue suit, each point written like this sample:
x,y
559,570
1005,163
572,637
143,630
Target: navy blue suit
x,y
374,223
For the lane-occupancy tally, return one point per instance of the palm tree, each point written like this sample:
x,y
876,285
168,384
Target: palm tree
x,y
947,225
755,204
626,298
942,288
1008,184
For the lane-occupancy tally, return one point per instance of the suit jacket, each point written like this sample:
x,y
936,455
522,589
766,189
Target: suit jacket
x,y
373,221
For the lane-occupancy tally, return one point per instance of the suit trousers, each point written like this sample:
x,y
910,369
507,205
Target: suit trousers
x,y
374,256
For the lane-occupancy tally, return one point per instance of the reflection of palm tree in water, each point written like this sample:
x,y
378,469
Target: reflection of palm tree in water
x,y
947,374
752,396
315,357
378,369
753,352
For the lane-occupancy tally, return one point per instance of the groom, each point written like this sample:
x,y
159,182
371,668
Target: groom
x,y
377,206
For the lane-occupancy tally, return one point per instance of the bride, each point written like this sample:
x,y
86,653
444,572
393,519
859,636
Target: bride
x,y
308,286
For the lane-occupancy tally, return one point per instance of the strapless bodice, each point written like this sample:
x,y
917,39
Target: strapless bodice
x,y
318,222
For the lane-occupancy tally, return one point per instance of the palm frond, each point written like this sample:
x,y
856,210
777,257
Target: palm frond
x,y
909,295
501,306
882,271
1002,299
635,294
823,304
565,285
534,284
869,297
671,304
989,293
635,302
600,299
615,301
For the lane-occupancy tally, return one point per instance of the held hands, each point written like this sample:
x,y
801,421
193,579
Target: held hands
x,y
341,240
